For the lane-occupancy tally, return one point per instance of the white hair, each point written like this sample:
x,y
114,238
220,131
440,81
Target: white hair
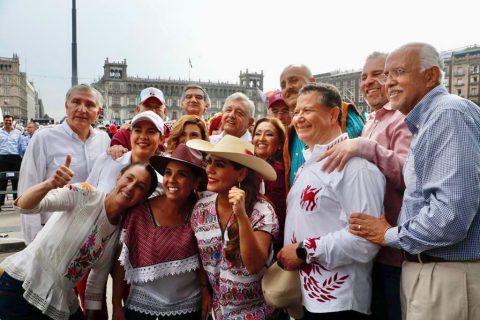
x,y
238,96
429,57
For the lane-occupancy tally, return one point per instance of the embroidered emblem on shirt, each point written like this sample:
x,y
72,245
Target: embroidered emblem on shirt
x,y
309,201
324,292
310,272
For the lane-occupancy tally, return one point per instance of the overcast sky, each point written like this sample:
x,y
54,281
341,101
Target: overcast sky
x,y
157,37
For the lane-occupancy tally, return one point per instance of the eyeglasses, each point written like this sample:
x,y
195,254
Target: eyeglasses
x,y
395,73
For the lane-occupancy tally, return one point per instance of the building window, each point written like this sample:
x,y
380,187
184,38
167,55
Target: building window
x,y
474,69
474,79
115,99
460,71
459,92
474,91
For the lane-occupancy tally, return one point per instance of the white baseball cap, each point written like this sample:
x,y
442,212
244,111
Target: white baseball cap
x,y
149,116
152,92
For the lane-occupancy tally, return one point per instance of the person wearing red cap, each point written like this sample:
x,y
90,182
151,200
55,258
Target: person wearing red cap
x,y
279,109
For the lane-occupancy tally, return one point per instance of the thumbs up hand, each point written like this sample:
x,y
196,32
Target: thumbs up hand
x,y
62,175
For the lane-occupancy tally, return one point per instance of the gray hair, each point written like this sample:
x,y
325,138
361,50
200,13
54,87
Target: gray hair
x,y
239,96
86,87
429,57
376,54
206,97
34,124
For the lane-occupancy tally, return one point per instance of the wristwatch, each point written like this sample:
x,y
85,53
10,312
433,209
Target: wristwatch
x,y
301,251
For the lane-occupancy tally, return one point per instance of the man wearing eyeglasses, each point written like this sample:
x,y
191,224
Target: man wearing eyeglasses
x,y
439,223
384,141
279,109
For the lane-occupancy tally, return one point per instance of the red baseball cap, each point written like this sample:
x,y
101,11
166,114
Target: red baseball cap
x,y
275,97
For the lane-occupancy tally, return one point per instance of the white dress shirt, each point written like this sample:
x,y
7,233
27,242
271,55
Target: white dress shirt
x,y
47,151
336,275
217,137
105,171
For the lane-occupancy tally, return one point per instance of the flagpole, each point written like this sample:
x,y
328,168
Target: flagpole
x,y
189,68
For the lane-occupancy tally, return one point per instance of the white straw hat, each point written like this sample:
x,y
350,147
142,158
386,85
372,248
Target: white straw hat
x,y
236,150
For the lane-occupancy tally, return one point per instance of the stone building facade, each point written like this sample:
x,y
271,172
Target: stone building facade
x,y
462,72
348,83
121,92
13,88
32,101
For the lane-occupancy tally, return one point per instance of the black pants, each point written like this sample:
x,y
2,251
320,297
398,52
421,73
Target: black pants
x,y
13,305
9,162
386,292
340,315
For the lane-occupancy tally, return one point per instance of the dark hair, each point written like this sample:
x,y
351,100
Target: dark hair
x,y
251,187
328,96
151,171
192,197
281,132
7,116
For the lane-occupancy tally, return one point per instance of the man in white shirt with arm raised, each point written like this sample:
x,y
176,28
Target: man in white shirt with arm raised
x,y
49,147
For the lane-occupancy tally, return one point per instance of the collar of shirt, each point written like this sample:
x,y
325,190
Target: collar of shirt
x,y
72,133
126,158
321,148
416,117
246,136
11,131
378,114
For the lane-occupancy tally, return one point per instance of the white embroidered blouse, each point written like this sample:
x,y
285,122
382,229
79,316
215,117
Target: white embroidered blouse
x,y
78,237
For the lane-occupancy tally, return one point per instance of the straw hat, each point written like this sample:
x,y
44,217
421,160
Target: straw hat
x,y
281,289
185,155
236,150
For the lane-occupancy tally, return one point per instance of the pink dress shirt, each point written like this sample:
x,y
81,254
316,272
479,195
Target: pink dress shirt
x,y
385,141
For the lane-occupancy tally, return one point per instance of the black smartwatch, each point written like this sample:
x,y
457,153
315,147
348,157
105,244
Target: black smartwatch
x,y
301,251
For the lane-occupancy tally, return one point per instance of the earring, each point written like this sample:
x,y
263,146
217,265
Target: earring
x,y
239,185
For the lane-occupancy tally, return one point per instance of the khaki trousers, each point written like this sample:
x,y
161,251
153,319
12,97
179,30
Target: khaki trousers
x,y
440,291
